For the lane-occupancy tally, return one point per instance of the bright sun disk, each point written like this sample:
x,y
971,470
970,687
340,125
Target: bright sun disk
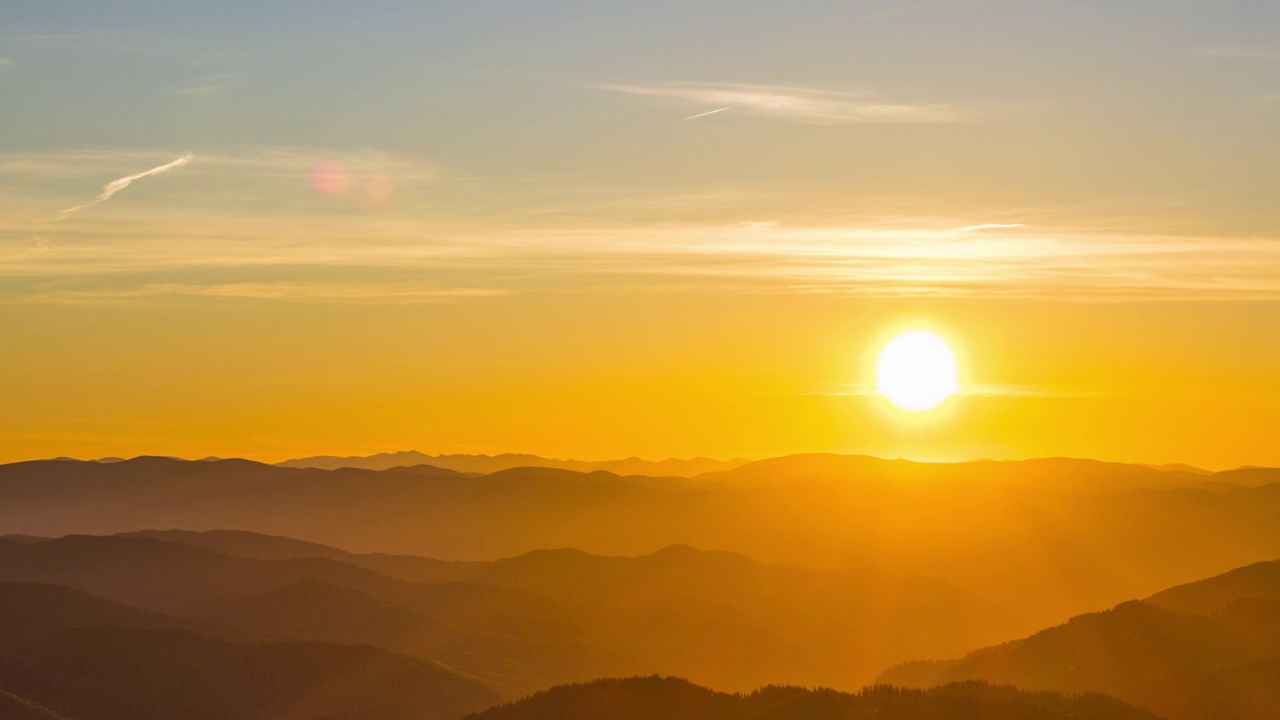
x,y
916,371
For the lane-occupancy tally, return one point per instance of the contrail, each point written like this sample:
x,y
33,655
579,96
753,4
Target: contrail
x,y
709,112
116,186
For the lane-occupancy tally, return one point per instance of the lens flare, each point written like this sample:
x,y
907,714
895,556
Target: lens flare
x,y
328,177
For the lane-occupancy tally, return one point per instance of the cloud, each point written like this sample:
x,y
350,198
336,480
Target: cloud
x,y
277,291
991,226
115,186
868,261
811,105
1238,52
256,218
256,161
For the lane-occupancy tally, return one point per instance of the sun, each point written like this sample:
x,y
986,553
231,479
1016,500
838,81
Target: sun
x,y
916,371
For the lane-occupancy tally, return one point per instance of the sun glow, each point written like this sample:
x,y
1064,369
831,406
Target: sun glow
x,y
916,371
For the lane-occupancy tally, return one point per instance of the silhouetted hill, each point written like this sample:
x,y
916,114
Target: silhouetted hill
x,y
657,698
488,464
169,577
1215,595
519,640
1221,664
411,568
520,652
246,544
29,610
135,674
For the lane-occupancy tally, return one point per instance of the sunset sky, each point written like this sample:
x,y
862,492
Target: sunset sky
x,y
586,229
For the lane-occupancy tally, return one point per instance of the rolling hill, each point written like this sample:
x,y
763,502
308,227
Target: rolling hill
x,y
111,673
540,619
66,654
1206,650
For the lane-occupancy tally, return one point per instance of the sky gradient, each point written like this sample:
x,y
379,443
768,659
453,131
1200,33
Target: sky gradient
x,y
291,228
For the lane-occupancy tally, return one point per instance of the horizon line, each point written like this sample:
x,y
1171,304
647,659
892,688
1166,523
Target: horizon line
x,y
1174,466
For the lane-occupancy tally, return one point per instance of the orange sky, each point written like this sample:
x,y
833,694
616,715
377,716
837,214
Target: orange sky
x,y
601,234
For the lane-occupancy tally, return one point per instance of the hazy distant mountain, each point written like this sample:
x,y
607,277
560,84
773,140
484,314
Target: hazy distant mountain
x,y
516,648
1061,474
515,639
542,618
1250,476
487,464
1046,539
25,539
655,698
1216,657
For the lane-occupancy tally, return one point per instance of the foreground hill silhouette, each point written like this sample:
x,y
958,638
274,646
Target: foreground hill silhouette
x,y
67,654
1205,650
656,698
128,674
1045,539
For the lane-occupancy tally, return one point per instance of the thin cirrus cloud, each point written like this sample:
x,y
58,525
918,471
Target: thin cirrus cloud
x,y
228,227
745,258
354,293
811,105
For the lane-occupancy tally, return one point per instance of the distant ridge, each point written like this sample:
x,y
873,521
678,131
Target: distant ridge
x,y
488,464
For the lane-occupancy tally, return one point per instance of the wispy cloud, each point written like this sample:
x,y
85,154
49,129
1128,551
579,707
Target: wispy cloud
x,y
110,189
378,293
818,106
256,217
991,226
1239,52
888,262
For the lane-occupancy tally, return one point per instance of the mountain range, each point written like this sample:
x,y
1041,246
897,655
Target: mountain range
x,y
428,593
1042,539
